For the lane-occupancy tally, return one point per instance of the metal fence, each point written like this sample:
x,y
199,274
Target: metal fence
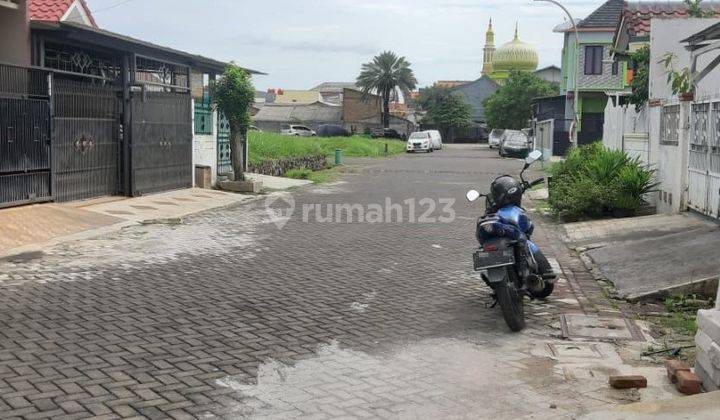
x,y
24,136
23,81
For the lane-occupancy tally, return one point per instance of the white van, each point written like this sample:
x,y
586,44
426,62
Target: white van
x,y
420,140
436,138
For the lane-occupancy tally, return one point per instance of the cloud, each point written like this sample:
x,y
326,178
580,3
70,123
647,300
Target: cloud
x,y
307,45
302,43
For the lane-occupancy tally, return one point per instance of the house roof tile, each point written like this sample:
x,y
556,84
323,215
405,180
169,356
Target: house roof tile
x,y
53,10
638,14
606,16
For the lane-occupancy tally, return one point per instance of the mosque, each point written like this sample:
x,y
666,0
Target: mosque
x,y
513,55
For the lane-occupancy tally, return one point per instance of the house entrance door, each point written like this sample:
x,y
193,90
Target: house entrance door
x,y
591,129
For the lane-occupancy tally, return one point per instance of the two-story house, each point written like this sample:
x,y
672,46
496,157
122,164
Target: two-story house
x,y
596,72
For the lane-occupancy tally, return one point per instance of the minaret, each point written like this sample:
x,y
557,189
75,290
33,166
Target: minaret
x,y
488,51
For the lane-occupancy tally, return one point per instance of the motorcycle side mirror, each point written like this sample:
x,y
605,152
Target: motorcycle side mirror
x,y
472,195
532,157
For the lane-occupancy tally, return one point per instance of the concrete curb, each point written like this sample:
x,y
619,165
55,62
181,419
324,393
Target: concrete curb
x,y
705,287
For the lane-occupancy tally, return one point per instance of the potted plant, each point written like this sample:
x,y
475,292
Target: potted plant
x,y
680,81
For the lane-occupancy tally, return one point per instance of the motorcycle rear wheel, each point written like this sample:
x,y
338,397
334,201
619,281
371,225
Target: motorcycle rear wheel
x,y
511,302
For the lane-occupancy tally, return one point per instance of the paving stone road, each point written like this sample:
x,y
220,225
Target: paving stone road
x,y
227,315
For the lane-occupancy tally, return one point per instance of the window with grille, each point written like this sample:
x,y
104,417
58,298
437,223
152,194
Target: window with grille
x,y
593,59
670,125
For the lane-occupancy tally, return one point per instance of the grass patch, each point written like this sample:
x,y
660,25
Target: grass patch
x,y
300,173
264,146
326,175
681,322
682,312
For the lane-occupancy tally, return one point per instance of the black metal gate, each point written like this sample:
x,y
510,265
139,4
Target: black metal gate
x,y
24,136
161,142
85,145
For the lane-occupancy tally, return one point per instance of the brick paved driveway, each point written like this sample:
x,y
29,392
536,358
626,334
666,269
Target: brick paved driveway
x,y
226,315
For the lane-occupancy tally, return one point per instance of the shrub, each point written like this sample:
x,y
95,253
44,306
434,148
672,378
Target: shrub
x,y
271,146
631,185
594,181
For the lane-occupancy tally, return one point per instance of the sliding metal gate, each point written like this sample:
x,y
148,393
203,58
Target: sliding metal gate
x,y
161,142
704,159
86,149
24,136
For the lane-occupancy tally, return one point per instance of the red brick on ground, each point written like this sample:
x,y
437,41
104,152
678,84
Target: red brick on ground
x,y
673,366
628,381
688,383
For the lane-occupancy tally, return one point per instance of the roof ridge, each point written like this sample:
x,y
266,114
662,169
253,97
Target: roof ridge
x,y
54,10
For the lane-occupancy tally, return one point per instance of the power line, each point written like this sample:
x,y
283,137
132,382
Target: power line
x,y
112,6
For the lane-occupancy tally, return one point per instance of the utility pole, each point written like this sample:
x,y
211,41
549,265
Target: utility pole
x,y
576,113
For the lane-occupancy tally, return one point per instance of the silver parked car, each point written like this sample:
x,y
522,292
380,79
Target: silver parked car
x,y
515,143
297,131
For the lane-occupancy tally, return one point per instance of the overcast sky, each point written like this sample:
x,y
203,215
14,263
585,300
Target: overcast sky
x,y
301,43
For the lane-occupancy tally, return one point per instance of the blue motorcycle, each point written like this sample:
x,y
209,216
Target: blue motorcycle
x,y
509,262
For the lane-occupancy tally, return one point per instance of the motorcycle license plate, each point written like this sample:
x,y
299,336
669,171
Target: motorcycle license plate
x,y
483,260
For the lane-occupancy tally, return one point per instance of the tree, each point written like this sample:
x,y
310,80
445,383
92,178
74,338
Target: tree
x,y
510,107
694,9
386,72
234,94
639,84
445,108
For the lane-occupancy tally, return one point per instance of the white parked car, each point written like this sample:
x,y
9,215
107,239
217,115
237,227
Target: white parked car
x,y
420,141
436,139
297,130
495,137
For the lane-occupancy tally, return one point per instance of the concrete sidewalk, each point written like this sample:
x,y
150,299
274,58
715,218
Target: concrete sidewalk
x,y
40,223
27,228
276,182
696,407
652,256
167,205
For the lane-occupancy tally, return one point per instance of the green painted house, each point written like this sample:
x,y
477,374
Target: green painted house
x,y
598,73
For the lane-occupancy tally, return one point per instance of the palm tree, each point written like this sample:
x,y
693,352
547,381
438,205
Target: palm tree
x,y
386,72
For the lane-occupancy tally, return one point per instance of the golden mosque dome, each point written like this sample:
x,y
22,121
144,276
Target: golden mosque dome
x,y
515,55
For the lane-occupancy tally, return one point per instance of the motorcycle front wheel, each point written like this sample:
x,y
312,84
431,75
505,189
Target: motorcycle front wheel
x,y
511,301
